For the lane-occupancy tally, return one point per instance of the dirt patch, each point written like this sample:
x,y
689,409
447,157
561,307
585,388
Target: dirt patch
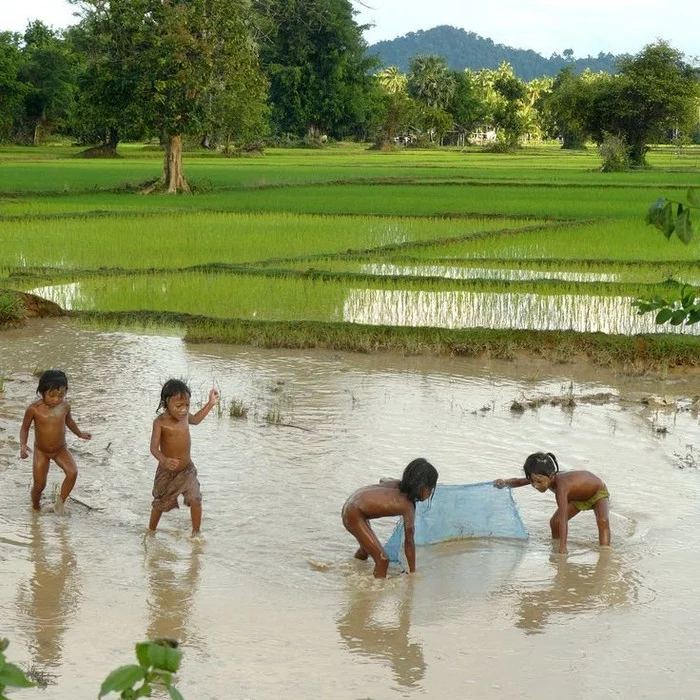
x,y
16,307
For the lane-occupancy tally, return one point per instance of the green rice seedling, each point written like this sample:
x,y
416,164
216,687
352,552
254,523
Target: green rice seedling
x,y
182,240
273,416
237,409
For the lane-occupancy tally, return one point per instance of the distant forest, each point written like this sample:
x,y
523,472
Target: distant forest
x,y
462,49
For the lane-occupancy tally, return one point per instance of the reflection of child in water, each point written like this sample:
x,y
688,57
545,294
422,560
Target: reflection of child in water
x,y
575,491
170,445
390,497
50,415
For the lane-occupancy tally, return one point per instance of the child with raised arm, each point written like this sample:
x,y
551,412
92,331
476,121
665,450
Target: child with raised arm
x,y
575,491
50,415
389,497
170,444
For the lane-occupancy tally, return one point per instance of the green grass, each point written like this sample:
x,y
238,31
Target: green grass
x,y
183,239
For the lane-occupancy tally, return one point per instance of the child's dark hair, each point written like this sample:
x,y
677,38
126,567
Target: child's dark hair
x,y
52,379
418,474
544,463
173,387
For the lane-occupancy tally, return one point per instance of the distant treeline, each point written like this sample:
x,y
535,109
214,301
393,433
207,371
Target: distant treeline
x,y
462,49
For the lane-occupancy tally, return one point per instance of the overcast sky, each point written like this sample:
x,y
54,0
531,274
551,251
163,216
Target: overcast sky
x,y
546,26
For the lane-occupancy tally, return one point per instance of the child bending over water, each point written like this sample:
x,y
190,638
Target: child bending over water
x,y
50,415
575,491
389,497
170,445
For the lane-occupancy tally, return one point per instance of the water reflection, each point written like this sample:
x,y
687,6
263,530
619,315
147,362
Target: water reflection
x,y
51,597
577,588
173,579
485,273
377,624
593,314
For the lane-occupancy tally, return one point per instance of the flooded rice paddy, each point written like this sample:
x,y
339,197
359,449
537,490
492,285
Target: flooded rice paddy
x,y
271,602
221,296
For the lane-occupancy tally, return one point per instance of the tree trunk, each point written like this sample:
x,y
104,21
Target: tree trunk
x,y
173,172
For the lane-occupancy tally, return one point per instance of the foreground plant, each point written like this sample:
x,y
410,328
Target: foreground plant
x,y
158,660
11,676
671,216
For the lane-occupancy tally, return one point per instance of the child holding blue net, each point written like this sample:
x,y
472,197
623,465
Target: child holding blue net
x,y
575,491
388,498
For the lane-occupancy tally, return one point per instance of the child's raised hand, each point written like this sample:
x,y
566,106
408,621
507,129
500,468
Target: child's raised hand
x,y
214,397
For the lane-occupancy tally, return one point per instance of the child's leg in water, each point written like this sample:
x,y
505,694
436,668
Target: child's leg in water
x,y
40,470
554,522
369,544
65,461
155,519
196,515
602,517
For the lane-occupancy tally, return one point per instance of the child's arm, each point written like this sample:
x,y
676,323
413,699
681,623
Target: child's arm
x,y
72,426
563,515
198,417
24,433
512,483
409,529
166,462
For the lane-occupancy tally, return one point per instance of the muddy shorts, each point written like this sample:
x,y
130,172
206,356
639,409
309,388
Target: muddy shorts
x,y
167,486
587,505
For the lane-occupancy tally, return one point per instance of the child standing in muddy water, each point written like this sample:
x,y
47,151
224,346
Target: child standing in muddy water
x,y
170,444
387,498
575,491
50,415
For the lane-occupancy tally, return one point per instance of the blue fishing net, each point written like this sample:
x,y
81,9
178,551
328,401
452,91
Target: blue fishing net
x,y
462,510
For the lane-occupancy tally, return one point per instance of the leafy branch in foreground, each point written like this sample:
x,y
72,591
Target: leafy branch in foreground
x,y
157,660
11,676
671,216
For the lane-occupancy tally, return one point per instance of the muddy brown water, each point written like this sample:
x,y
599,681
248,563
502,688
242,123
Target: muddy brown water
x,y
271,604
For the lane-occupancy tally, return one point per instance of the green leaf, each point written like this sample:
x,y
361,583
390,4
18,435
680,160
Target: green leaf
x,y
688,297
678,316
693,317
14,677
664,315
172,659
4,643
121,678
655,213
684,227
694,197
142,653
175,694
667,220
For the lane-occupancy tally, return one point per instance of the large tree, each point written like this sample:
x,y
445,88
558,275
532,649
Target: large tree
x,y
314,56
12,90
48,70
185,55
655,92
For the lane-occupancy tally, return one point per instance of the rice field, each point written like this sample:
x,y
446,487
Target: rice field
x,y
452,240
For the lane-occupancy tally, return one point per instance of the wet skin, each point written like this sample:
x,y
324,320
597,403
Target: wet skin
x,y
381,501
170,444
568,487
50,415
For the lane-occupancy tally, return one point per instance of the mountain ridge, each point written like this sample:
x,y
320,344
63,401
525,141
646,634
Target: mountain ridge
x,y
465,49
